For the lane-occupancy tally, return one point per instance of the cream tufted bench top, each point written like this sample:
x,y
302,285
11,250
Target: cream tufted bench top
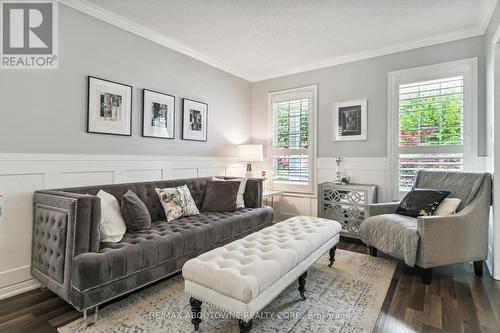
x,y
245,268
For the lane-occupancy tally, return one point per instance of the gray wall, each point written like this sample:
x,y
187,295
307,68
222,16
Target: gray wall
x,y
44,111
365,79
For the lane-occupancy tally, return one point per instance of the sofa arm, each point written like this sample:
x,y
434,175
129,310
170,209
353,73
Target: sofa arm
x,y
456,238
381,208
253,193
64,225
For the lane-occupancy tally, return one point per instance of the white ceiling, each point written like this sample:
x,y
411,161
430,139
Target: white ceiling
x,y
260,39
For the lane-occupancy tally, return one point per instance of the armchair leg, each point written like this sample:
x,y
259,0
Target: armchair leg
x,y
373,251
427,275
478,268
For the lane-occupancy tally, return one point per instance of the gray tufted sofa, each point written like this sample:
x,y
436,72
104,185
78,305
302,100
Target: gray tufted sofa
x,y
68,258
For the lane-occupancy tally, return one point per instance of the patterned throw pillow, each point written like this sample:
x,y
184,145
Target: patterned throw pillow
x,y
420,202
177,202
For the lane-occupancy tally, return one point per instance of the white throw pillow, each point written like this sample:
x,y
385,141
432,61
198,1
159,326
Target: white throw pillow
x,y
447,207
240,201
112,226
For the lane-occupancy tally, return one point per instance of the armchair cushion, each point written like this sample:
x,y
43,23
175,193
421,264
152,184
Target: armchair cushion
x,y
393,234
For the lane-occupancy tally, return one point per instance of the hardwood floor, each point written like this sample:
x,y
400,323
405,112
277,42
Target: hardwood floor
x,y
455,301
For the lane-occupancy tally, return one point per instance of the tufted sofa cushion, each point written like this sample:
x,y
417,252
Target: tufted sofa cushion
x,y
162,243
245,268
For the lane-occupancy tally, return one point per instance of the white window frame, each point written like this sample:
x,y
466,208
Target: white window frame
x,y
467,68
311,188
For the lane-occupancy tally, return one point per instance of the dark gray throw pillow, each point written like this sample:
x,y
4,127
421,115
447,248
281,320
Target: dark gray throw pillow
x,y
221,196
421,202
135,212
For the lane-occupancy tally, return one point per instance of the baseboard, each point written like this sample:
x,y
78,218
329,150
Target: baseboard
x,y
19,288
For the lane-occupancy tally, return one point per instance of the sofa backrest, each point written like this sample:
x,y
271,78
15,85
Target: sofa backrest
x,y
146,192
462,185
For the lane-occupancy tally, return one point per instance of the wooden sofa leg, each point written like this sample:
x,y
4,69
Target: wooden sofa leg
x,y
427,275
332,256
195,312
373,251
478,268
245,326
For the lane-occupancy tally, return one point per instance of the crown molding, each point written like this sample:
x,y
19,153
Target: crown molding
x,y
142,31
164,40
353,57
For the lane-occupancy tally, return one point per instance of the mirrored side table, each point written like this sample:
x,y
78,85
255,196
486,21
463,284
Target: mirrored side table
x,y
346,204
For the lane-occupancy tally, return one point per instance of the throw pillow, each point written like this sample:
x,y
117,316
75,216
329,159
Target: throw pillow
x,y
420,202
177,202
135,212
448,207
221,196
240,201
112,226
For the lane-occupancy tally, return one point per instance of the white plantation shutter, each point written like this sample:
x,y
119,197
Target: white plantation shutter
x,y
292,144
431,127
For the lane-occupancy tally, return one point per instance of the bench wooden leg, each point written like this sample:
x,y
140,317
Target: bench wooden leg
x,y
302,285
332,255
373,251
245,326
195,312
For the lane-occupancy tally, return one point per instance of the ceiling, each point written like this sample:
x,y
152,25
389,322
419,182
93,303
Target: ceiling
x,y
260,39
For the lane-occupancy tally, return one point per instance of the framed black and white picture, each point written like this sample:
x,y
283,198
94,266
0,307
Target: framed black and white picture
x,y
349,120
109,108
194,120
158,115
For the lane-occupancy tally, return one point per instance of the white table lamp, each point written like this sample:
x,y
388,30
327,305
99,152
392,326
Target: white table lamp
x,y
249,153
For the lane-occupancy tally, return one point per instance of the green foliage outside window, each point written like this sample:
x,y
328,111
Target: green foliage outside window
x,y
431,120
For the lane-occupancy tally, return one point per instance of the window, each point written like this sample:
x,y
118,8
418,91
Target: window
x,y
432,120
292,160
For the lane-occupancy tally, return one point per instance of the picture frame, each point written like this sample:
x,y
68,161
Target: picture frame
x,y
109,107
350,120
158,115
194,120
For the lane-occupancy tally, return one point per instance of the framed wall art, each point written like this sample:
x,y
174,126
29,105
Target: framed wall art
x,y
350,120
194,120
109,107
158,115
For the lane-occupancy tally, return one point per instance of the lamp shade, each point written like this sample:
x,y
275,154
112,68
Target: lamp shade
x,y
249,153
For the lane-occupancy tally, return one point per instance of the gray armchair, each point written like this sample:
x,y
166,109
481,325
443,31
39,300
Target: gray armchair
x,y
432,241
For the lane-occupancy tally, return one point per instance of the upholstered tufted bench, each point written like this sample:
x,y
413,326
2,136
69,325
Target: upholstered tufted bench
x,y
244,276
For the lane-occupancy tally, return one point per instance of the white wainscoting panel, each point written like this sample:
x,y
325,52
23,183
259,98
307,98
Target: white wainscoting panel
x,y
22,174
143,175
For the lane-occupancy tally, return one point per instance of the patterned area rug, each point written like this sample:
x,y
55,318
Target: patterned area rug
x,y
344,298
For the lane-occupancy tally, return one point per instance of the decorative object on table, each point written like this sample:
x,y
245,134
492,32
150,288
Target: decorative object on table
x,y
109,107
346,180
263,175
158,115
350,120
346,204
338,171
194,120
249,153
